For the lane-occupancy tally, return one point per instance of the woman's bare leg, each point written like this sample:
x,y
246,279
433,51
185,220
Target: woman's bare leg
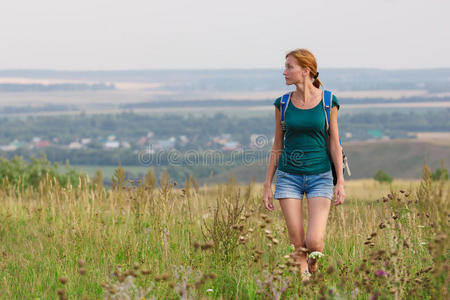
x,y
293,214
318,210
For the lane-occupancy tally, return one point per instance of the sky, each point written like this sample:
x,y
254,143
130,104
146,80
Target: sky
x,y
210,34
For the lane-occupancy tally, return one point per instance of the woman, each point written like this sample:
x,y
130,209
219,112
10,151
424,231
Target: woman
x,y
300,160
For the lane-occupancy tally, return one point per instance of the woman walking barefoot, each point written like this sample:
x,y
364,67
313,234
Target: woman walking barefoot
x,y
300,162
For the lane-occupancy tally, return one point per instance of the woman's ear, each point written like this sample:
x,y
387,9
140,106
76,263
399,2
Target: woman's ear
x,y
305,72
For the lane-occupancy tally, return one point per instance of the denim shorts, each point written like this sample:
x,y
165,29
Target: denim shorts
x,y
289,185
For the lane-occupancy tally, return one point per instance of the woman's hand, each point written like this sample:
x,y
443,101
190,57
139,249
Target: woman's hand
x,y
339,194
268,198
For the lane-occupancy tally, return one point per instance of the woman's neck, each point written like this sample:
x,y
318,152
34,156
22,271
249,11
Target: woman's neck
x,y
304,93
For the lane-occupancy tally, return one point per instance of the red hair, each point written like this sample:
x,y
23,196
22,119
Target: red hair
x,y
307,60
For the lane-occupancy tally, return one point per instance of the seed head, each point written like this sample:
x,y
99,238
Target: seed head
x,y
165,276
134,273
82,271
196,245
61,292
145,271
81,263
63,280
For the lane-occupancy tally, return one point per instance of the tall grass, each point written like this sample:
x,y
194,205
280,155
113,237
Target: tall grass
x,y
139,240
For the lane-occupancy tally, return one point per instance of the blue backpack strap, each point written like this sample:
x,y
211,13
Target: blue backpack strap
x,y
284,104
327,95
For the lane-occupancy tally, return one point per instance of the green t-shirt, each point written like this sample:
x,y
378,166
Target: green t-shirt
x,y
305,150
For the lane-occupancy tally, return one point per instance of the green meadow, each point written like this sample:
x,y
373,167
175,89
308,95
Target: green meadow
x,y
143,240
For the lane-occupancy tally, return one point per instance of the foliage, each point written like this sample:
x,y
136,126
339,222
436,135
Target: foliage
x,y
382,176
18,172
440,173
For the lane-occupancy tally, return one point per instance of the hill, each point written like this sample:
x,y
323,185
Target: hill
x,y
399,158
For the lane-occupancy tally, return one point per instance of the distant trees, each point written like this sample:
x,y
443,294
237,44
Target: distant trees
x,y
19,172
382,177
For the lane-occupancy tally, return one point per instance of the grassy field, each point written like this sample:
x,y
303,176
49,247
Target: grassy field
x,y
139,240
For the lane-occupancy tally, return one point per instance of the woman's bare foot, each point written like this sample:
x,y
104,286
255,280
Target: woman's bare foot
x,y
299,256
312,260
312,265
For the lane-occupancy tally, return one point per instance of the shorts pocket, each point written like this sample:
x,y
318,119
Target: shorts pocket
x,y
326,175
281,174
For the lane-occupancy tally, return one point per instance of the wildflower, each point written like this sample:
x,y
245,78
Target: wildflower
x,y
306,276
209,290
316,255
381,273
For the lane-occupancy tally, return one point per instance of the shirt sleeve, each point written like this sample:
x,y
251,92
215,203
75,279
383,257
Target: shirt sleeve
x,y
335,102
277,103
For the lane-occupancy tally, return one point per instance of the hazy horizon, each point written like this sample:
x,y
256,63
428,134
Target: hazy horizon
x,y
210,69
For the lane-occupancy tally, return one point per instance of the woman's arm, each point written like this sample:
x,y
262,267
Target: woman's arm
x,y
276,150
336,155
273,162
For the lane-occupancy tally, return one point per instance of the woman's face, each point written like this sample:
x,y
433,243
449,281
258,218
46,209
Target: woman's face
x,y
293,72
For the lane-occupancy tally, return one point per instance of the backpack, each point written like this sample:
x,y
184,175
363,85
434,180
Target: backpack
x,y
326,103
